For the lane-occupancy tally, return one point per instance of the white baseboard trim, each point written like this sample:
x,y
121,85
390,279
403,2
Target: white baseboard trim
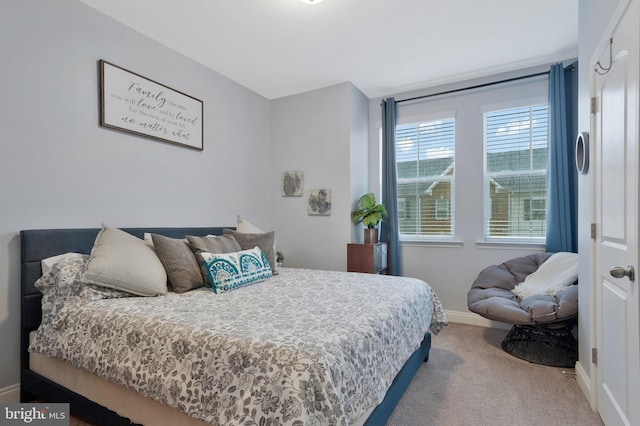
x,y
584,381
470,318
10,394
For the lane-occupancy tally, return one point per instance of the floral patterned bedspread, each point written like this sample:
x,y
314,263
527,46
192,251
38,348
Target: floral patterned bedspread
x,y
305,347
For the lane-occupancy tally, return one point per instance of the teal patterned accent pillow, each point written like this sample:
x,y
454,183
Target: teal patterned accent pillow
x,y
228,271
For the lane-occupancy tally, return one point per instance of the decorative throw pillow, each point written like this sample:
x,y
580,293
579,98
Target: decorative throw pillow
x,y
228,271
179,262
264,241
211,244
121,261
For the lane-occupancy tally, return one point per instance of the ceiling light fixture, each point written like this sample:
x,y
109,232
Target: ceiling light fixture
x,y
311,1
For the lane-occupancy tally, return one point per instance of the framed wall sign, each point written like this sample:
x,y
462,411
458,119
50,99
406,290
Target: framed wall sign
x,y
136,104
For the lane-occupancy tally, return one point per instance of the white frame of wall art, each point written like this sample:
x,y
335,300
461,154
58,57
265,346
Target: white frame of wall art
x,y
319,202
292,183
135,104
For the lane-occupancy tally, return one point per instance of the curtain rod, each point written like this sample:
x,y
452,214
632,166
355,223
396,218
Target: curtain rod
x,y
478,86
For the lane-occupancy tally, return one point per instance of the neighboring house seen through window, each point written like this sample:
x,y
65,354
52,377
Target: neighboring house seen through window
x,y
516,172
442,209
425,168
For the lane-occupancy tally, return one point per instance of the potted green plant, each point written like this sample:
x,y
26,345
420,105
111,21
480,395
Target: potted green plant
x,y
370,214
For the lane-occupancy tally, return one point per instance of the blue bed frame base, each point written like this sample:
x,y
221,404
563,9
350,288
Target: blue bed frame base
x,y
383,411
42,243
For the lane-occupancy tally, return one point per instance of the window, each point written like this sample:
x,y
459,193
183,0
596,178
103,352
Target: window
x,y
425,169
516,172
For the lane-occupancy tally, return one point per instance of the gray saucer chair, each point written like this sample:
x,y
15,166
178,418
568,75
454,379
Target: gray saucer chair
x,y
543,325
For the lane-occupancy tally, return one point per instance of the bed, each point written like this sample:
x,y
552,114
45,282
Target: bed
x,y
103,401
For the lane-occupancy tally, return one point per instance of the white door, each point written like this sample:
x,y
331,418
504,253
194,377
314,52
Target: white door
x,y
616,209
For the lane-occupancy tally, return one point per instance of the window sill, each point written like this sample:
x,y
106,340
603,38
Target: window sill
x,y
511,245
432,243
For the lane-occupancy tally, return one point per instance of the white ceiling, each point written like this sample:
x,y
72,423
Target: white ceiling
x,y
283,47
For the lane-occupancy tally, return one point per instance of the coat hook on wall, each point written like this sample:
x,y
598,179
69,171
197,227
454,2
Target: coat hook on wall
x,y
598,68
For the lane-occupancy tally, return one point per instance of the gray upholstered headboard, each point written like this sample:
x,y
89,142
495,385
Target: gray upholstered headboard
x,y
39,244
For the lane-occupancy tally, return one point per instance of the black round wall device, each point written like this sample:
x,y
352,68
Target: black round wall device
x,y
582,152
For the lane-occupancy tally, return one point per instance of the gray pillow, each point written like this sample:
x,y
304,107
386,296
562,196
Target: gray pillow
x,y
264,241
179,262
214,243
211,244
121,261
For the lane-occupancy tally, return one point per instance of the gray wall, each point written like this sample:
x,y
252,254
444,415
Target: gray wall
x,y
58,168
323,133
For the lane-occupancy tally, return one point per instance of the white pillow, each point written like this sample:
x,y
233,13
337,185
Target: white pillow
x,y
247,227
124,262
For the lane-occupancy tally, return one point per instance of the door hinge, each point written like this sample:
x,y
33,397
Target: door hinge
x,y
594,356
593,231
594,105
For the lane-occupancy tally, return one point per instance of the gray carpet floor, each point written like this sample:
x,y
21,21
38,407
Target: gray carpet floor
x,y
470,380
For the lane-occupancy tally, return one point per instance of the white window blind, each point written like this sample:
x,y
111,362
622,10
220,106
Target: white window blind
x,y
425,170
516,142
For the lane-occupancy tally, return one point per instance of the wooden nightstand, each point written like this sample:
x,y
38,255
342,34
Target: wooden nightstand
x,y
369,258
